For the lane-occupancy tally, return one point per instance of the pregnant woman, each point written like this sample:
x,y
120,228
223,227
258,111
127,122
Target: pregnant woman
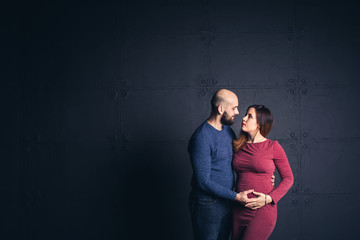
x,y
254,161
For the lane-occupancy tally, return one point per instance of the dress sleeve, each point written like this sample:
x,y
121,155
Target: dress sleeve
x,y
286,175
200,154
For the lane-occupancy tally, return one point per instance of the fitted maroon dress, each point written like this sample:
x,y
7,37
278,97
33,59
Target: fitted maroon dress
x,y
254,165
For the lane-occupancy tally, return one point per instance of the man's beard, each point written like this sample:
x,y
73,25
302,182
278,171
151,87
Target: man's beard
x,y
226,120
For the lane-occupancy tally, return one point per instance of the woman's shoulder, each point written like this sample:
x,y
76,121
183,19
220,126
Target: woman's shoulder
x,y
273,143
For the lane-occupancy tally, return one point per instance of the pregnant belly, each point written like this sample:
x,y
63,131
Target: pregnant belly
x,y
260,182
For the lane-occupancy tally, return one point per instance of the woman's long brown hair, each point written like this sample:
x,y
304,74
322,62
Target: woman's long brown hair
x,y
264,119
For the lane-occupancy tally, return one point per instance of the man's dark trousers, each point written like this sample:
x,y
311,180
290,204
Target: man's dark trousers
x,y
211,216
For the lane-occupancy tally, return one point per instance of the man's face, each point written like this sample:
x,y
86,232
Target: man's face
x,y
231,110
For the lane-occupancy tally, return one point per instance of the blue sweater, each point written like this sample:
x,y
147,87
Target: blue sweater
x,y
211,155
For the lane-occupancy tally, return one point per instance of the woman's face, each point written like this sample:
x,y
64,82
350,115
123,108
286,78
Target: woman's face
x,y
249,123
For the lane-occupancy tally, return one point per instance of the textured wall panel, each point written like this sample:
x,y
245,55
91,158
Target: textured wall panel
x,y
164,61
328,46
73,116
92,116
318,52
288,220
331,217
157,184
9,187
251,17
71,47
10,90
162,115
163,19
10,97
329,112
43,182
94,67
241,60
74,182
323,162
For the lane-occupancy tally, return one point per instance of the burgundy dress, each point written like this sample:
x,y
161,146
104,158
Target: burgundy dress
x,y
254,165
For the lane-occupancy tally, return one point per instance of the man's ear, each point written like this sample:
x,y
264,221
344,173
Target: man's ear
x,y
221,109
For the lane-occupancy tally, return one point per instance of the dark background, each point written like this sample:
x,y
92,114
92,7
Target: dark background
x,y
100,100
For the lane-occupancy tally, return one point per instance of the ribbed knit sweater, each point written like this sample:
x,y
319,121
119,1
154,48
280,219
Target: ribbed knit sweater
x,y
211,155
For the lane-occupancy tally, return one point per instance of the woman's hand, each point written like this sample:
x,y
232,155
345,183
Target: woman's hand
x,y
259,202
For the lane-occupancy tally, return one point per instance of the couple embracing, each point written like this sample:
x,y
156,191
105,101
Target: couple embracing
x,y
248,208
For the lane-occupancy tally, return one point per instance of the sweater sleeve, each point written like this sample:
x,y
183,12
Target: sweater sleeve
x,y
200,154
286,175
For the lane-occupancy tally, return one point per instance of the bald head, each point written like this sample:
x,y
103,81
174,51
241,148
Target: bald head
x,y
223,97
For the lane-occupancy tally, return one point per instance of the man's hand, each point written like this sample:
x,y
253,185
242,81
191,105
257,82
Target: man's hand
x,y
273,180
242,196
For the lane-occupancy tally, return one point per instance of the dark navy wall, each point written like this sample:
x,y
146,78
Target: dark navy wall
x,y
99,101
